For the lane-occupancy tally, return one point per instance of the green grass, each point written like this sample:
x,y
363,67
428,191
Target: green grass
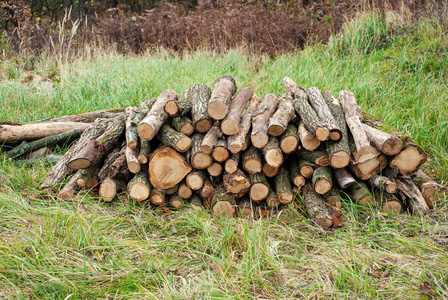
x,y
88,250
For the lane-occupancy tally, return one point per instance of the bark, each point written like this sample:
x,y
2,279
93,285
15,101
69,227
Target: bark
x,y
30,132
294,171
176,202
236,184
251,161
200,95
223,89
317,157
86,174
210,139
259,136
88,117
215,169
301,105
196,202
220,152
174,139
383,183
384,142
183,124
139,187
110,159
167,168
272,153
199,160
231,165
157,197
49,160
44,142
431,190
223,203
306,168
236,142
132,160
284,114
145,150
96,149
283,186
154,120
344,178
308,140
69,191
322,180
360,194
245,209
388,202
207,192
195,179
184,191
272,199
316,208
146,105
289,140
118,169
131,128
259,187
109,188
230,125
324,113
412,195
333,200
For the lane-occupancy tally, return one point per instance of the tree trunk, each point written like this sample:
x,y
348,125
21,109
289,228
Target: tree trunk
x,y
220,152
195,179
85,174
199,160
223,89
184,191
145,151
301,105
157,197
344,178
384,142
222,203
30,132
230,125
284,114
131,128
183,124
139,187
289,140
412,195
317,157
272,153
109,188
272,199
170,137
210,139
283,186
231,165
259,187
322,180
383,183
316,208
236,184
132,160
259,136
319,104
251,161
167,168
361,194
200,95
69,191
236,142
309,141
215,169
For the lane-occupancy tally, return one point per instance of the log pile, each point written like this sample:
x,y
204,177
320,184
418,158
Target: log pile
x,y
231,151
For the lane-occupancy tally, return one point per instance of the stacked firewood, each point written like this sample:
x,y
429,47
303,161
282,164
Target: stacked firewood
x,y
231,152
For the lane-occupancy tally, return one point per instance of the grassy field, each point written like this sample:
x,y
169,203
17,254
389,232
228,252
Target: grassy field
x,y
90,250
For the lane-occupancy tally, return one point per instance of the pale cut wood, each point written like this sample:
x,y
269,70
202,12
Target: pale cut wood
x,y
109,188
383,183
272,199
316,208
220,152
200,96
167,168
69,191
131,128
344,178
172,190
259,136
207,192
177,140
183,124
157,197
431,191
289,140
230,125
245,209
272,153
251,161
361,194
139,187
145,150
195,179
223,89
86,174
306,168
236,183
223,203
388,202
322,180
215,169
285,113
317,157
132,160
154,120
283,186
211,138
308,140
180,106
259,189
184,191
231,165
296,178
384,142
269,171
320,106
199,160
30,132
175,201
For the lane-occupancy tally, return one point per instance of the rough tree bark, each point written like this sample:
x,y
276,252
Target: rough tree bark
x,y
231,124
259,136
223,89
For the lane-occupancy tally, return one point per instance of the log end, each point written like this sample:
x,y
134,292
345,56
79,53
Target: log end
x,y
171,108
322,134
409,160
224,208
322,186
323,161
65,195
310,142
324,223
234,148
81,182
275,130
289,144
366,200
183,144
335,135
246,212
195,181
201,160
272,202
157,198
108,190
259,139
392,146
217,110
286,197
145,131
258,192
132,144
252,165
134,167
79,163
215,169
203,125
229,127
339,159
307,171
167,168
187,129
299,181
139,192
220,154
269,170
274,157
393,206
230,166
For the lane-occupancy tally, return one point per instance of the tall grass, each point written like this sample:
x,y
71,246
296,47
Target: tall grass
x,y
123,250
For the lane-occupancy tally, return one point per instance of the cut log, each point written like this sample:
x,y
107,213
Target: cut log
x,y
171,138
289,140
157,197
333,200
199,160
296,178
317,157
25,147
184,191
172,190
245,209
223,89
306,168
167,168
269,171
324,113
272,153
412,195
251,161
388,202
96,149
210,139
31,132
200,95
145,150
117,169
360,194
431,191
316,208
236,184
301,105
196,202
183,124
94,180
308,140
215,169
222,203
259,136
344,178
236,142
60,169
246,143
180,106
207,192
220,152
109,188
88,117
384,142
113,157
259,187
284,114
195,179
131,128
272,199
230,125
69,191
383,183
139,187
85,174
132,160
283,186
176,202
322,180
151,124
231,165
